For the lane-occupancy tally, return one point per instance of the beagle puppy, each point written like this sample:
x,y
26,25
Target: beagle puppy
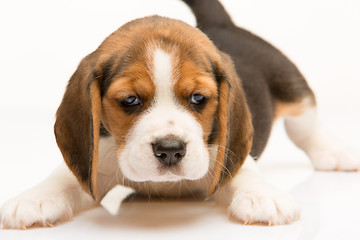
x,y
160,108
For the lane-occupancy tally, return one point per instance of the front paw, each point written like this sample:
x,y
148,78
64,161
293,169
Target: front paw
x,y
264,205
31,209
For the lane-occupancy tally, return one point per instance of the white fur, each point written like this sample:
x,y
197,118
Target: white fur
x,y
166,117
60,196
112,200
55,199
163,78
324,150
251,200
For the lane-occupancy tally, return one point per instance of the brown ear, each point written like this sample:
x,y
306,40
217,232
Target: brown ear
x,y
77,126
235,131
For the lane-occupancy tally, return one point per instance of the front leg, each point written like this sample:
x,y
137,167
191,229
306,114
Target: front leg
x,y
253,201
56,199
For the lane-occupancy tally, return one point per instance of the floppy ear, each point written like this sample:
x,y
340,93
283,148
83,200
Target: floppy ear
x,y
235,131
77,125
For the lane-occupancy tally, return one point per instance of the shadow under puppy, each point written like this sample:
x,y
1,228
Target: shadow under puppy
x,y
158,108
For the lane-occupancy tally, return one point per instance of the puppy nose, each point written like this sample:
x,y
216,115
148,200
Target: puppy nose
x,y
169,151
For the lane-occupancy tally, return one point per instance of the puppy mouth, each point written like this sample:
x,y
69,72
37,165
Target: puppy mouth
x,y
171,177
163,174
171,172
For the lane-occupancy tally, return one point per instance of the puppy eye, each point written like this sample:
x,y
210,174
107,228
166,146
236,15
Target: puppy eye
x,y
197,99
131,104
130,101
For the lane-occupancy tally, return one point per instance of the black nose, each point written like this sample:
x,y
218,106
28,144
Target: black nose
x,y
169,151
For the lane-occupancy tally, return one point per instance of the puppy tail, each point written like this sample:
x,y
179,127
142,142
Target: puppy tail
x,y
209,13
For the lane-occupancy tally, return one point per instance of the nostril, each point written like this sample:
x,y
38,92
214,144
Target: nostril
x,y
169,151
161,155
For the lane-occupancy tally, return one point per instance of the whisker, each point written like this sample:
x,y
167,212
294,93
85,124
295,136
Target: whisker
x,y
230,155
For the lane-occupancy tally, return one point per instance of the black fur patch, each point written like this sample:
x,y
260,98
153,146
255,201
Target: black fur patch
x,y
219,75
107,72
113,67
214,131
267,76
103,131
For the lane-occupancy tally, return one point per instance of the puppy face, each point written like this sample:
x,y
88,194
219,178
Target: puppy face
x,y
161,116
162,90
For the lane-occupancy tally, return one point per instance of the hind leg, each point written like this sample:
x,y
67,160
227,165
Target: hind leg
x,y
325,151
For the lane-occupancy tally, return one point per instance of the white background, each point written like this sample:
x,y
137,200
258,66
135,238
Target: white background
x,y
41,43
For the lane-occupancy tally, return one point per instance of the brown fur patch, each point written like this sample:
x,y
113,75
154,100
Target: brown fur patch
x,y
96,114
292,109
114,118
194,82
77,126
235,126
222,139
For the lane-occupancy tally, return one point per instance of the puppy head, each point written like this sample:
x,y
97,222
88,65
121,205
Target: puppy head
x,y
166,94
